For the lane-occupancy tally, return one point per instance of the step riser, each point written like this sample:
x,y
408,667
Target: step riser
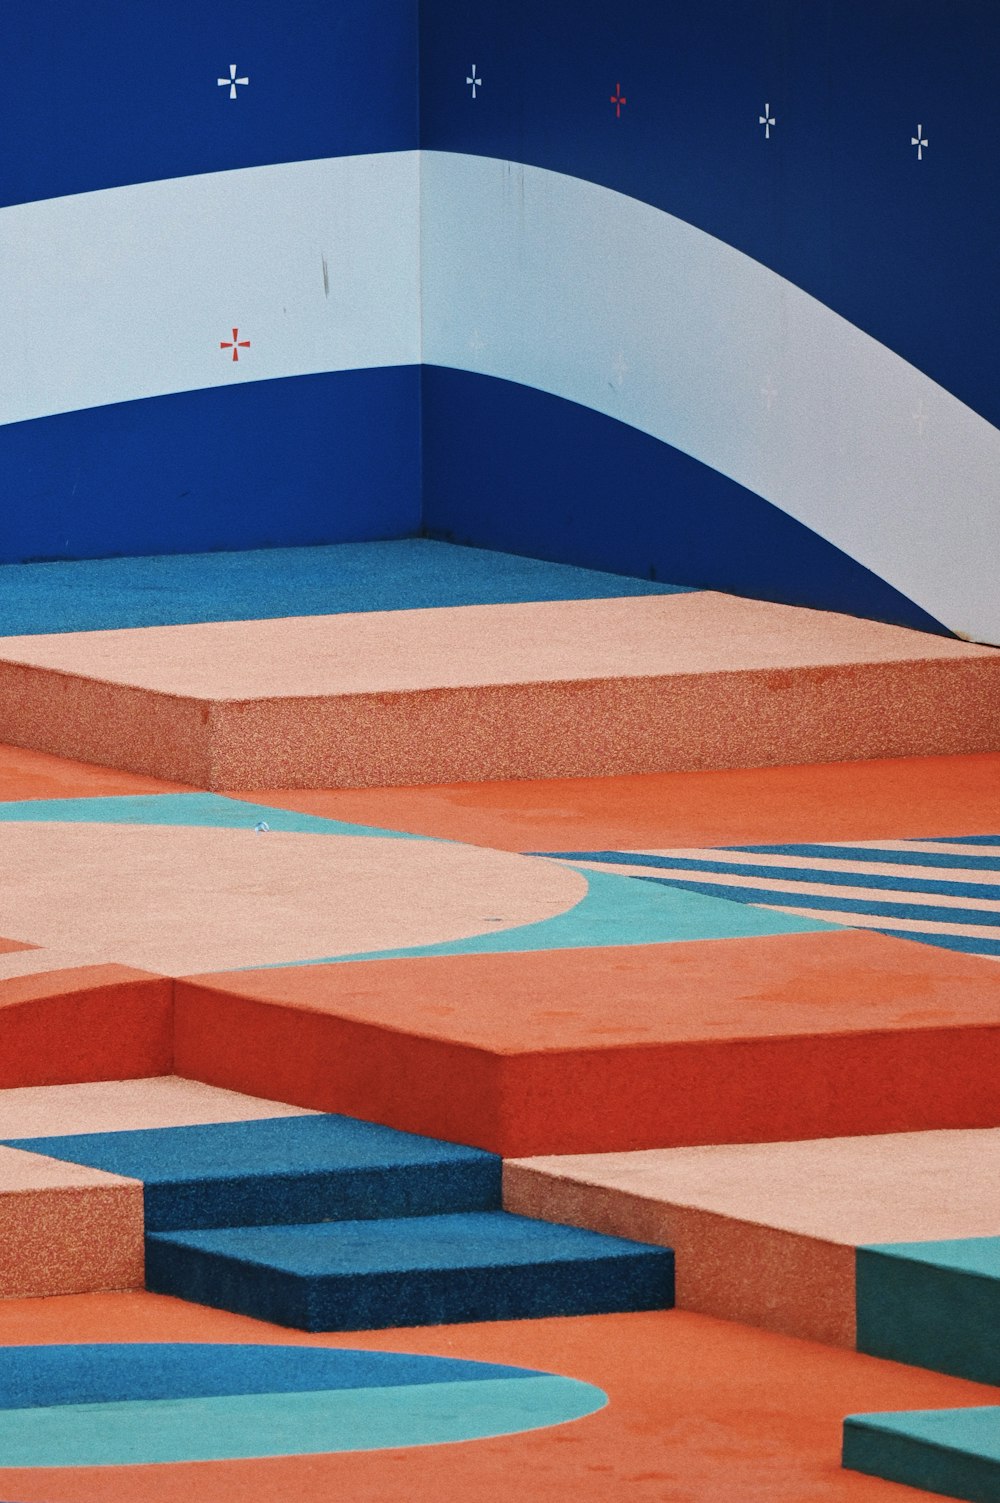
x,y
916,1462
927,1316
426,1297
358,1195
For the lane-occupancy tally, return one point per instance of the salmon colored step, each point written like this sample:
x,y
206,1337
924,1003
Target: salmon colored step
x,y
576,1051
460,694
127,1106
767,1233
67,1229
83,1023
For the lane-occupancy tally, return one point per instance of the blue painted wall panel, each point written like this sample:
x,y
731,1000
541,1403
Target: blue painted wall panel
x,y
558,481
835,199
309,459
98,93
829,190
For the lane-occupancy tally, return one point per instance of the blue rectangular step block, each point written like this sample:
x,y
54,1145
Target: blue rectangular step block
x,y
955,1452
285,1169
435,1270
932,1304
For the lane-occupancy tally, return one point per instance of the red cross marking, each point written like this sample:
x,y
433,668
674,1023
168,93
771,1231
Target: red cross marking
x,y
235,344
618,99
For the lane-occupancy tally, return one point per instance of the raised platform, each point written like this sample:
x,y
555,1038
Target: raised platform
x,y
933,1303
62,1023
771,1233
66,1228
772,1037
528,690
955,1452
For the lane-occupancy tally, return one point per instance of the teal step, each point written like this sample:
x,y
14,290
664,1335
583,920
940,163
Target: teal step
x,y
933,1304
426,1270
955,1452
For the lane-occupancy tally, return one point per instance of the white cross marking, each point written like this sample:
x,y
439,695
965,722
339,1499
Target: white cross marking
x,y
766,120
921,417
231,82
919,141
619,367
476,83
769,392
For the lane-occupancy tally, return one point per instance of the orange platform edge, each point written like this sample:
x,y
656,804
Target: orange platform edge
x,y
100,1022
914,1044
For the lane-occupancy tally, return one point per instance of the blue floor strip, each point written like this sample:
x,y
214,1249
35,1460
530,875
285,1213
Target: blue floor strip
x,y
267,583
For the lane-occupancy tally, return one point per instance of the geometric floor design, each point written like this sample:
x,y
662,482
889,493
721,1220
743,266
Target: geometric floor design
x,y
748,1015
943,890
135,1404
686,1383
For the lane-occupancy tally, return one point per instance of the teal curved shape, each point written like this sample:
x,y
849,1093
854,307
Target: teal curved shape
x,y
614,911
266,1407
200,810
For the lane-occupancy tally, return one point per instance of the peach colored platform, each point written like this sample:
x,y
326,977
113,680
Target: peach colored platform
x,y
66,1229
699,1411
122,1105
97,1022
177,899
550,689
773,1038
766,1233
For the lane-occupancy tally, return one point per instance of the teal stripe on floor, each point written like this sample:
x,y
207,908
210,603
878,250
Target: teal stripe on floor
x,y
615,911
202,810
287,1424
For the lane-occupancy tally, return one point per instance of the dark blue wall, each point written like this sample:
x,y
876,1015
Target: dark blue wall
x,y
835,200
102,93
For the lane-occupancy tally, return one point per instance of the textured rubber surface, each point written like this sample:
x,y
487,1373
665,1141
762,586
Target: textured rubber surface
x,y
429,1271
932,1304
285,1169
953,1451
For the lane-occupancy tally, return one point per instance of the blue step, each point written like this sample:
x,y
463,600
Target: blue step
x,y
932,1304
955,1452
429,1270
285,1170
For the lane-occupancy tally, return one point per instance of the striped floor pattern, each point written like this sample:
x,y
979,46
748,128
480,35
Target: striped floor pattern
x,y
943,891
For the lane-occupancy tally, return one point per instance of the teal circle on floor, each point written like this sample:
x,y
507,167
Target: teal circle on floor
x,y
134,1404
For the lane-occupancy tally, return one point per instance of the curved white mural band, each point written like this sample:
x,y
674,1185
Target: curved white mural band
x,y
525,274
129,292
572,288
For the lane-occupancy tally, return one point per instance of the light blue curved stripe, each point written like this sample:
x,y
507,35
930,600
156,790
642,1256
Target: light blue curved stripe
x,y
202,810
560,284
136,287
533,276
614,911
288,1424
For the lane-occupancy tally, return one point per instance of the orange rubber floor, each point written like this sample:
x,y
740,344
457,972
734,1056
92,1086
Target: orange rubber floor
x,y
699,1411
469,971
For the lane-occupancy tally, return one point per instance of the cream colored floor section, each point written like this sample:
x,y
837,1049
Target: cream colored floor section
x,y
179,900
